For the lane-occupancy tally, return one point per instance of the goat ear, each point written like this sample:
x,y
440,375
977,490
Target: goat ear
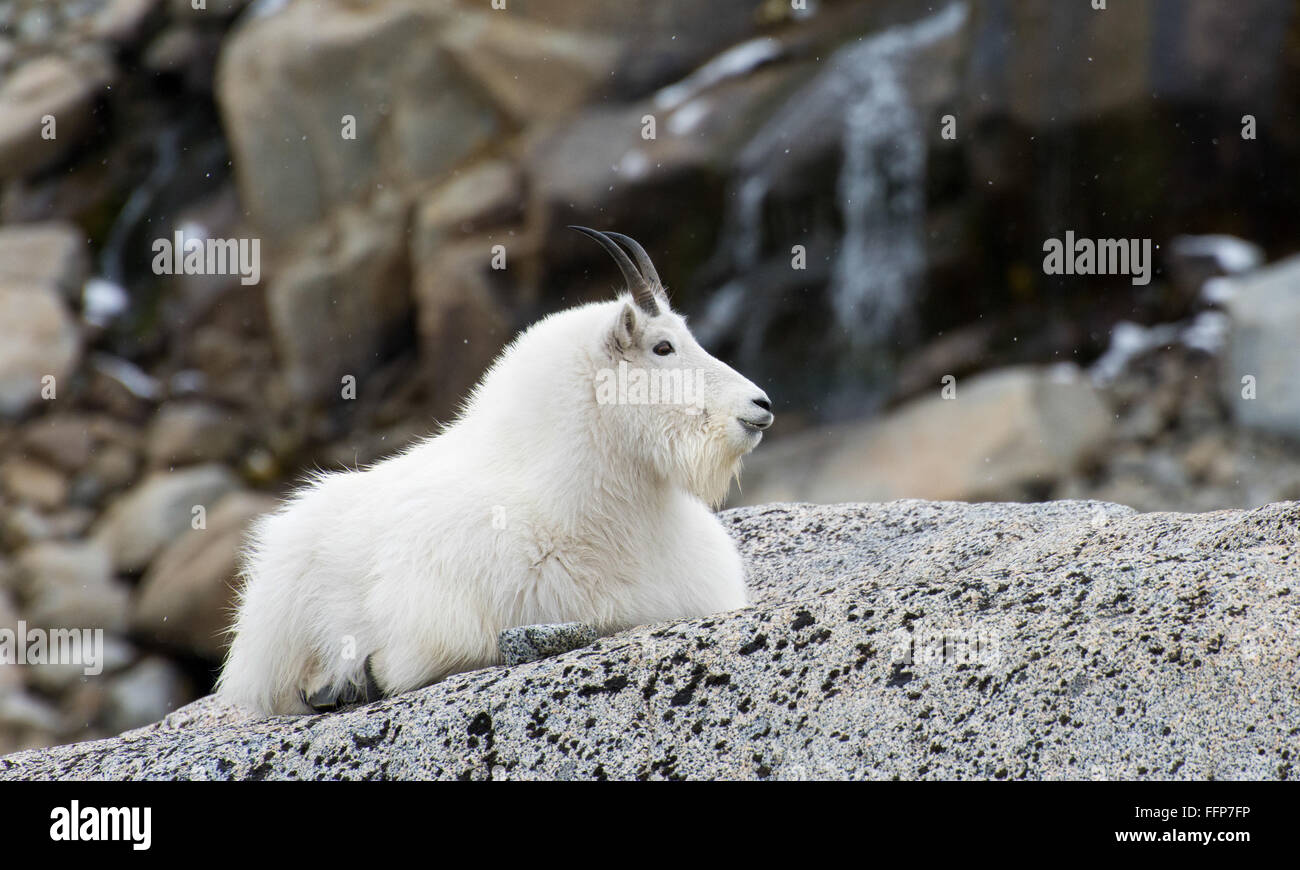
x,y
627,329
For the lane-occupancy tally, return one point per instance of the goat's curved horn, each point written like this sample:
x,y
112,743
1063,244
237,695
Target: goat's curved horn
x,y
642,259
642,290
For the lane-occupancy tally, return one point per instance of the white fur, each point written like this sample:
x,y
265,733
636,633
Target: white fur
x,y
603,507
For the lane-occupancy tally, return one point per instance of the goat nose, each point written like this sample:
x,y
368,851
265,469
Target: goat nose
x,y
766,419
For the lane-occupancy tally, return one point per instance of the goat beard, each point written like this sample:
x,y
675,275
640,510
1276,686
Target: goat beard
x,y
708,475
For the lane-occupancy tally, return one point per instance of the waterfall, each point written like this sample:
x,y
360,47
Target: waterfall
x,y
860,104
743,241
881,198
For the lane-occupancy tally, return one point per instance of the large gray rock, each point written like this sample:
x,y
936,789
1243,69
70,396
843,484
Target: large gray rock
x,y
41,341
188,432
65,440
70,585
42,266
416,114
147,692
1083,641
188,595
33,482
64,88
43,253
485,194
341,300
137,526
1003,434
124,22
460,319
1264,346
652,42
532,72
1185,50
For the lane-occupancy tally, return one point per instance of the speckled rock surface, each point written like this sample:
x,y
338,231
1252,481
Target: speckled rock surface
x,y
529,643
910,639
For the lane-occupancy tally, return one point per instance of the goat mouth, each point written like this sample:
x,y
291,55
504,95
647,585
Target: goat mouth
x,y
754,425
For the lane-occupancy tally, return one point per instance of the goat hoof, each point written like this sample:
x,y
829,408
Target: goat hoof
x,y
328,699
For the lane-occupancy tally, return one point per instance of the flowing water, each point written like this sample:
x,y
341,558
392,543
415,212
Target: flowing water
x,y
861,100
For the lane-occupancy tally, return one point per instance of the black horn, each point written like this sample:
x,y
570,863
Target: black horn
x,y
642,259
643,287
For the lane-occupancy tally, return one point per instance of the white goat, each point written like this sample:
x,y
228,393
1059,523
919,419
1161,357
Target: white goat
x,y
544,502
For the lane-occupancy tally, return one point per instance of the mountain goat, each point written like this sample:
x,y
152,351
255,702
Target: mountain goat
x,y
566,491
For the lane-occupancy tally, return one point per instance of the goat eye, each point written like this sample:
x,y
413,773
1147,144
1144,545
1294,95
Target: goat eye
x,y
663,348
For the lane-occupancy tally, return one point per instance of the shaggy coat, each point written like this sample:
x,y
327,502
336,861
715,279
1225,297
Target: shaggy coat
x,y
543,502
